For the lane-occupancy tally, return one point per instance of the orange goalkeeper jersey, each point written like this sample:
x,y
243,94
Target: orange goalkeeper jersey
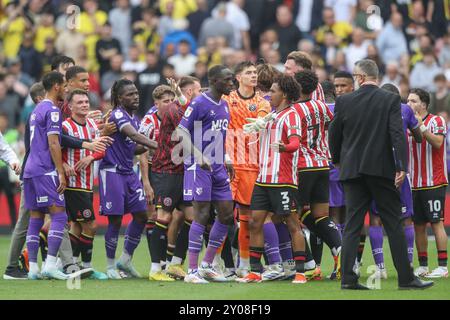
x,y
241,147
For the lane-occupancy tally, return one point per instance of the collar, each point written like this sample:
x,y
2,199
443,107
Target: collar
x,y
369,83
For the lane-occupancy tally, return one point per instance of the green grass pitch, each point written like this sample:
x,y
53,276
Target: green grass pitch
x,y
145,289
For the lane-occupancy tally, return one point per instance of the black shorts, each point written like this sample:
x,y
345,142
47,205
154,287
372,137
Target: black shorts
x,y
429,205
279,200
313,186
168,189
79,205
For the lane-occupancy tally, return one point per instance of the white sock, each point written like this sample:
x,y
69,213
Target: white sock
x,y
75,260
50,262
244,263
176,260
156,267
87,265
34,268
310,265
125,257
111,263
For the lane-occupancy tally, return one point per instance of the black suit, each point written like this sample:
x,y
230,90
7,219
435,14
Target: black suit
x,y
367,140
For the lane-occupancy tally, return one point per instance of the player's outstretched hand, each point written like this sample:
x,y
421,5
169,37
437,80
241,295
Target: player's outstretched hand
x,y
16,167
62,183
109,128
107,140
68,170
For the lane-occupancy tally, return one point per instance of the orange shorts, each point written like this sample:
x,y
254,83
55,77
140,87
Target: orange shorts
x,y
242,186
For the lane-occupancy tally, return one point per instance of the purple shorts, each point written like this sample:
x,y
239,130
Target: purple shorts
x,y
120,193
405,197
202,185
337,198
40,193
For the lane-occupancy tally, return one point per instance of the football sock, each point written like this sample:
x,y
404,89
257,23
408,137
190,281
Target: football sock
x,y
170,252
271,243
423,259
56,232
226,254
159,232
299,258
43,243
86,244
409,235
255,259
442,258
244,241
362,242
316,247
133,236
376,241
149,226
34,227
75,244
327,231
182,243
195,243
111,238
284,241
310,263
217,236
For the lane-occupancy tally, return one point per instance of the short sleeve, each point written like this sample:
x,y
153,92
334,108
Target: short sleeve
x,y
438,126
190,116
292,124
119,118
53,121
412,121
147,127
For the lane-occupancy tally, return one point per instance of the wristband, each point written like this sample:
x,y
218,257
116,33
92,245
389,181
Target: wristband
x,y
422,128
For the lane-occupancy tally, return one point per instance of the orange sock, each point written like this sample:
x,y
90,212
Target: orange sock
x,y
244,241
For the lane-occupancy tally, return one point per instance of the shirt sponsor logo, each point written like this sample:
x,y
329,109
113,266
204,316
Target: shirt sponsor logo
x,y
252,107
108,205
188,112
42,199
61,197
54,116
219,125
199,191
187,192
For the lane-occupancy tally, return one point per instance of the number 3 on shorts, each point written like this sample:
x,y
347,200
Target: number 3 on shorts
x,y
284,197
141,194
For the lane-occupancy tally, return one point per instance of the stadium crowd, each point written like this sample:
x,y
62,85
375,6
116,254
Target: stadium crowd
x,y
157,52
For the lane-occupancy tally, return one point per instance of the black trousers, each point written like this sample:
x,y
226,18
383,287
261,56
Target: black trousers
x,y
359,193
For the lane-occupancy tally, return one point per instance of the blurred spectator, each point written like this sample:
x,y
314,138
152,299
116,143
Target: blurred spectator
x,y
217,26
146,36
90,23
68,41
391,42
404,88
345,9
168,71
172,39
45,29
120,20
48,55
424,41
357,50
423,73
6,186
133,63
166,21
12,27
106,48
147,80
115,72
241,24
137,10
197,17
416,17
440,100
414,42
30,58
438,15
274,59
308,16
184,61
10,105
444,55
342,30
181,8
201,73
306,45
329,49
20,81
392,74
288,33
210,54
370,26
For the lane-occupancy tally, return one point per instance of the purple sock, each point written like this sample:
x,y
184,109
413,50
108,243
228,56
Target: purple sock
x,y
195,243
217,236
111,238
409,235
271,243
285,241
56,232
376,241
33,238
133,236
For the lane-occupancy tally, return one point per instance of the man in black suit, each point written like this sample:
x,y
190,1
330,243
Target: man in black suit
x,y
369,146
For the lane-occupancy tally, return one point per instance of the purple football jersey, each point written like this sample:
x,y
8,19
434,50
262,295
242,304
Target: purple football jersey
x,y
121,153
45,120
409,120
207,123
334,172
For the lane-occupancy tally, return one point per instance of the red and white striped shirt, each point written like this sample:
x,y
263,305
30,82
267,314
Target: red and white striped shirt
x,y
277,168
427,165
149,126
314,151
318,93
85,178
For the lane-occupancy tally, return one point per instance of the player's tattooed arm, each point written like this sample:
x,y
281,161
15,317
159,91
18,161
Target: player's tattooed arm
x,y
137,137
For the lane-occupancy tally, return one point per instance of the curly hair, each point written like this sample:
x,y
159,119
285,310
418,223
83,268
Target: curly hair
x,y
117,89
289,87
266,75
308,81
